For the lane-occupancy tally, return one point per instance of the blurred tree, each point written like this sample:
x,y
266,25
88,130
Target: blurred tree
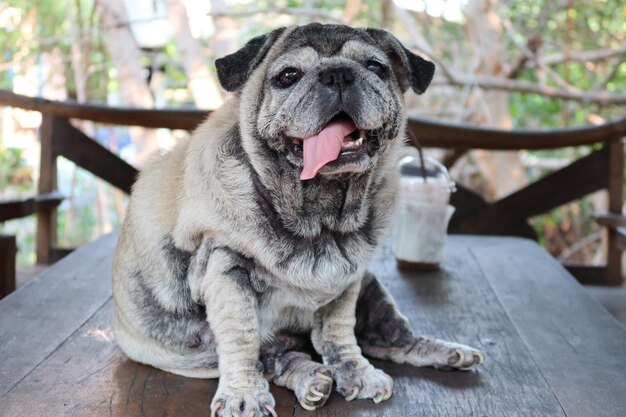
x,y
485,34
201,81
127,60
225,39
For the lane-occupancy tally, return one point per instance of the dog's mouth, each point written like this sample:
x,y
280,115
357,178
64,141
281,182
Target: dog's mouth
x,y
339,142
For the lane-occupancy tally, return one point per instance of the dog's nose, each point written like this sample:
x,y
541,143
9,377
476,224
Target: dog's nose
x,y
341,76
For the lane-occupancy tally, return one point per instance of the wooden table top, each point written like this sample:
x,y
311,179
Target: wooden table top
x,y
551,349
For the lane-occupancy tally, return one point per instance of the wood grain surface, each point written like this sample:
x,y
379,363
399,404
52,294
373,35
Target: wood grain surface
x,y
551,349
39,317
579,347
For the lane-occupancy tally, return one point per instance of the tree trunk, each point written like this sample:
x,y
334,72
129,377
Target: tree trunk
x,y
351,11
126,55
503,171
225,40
202,84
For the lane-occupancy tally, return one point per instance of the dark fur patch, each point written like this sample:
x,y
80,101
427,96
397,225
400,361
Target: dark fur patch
x,y
378,322
180,330
233,70
332,354
346,206
326,39
284,341
240,275
177,258
411,69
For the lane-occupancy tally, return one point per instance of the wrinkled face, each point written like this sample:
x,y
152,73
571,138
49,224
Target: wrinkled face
x,y
327,98
349,95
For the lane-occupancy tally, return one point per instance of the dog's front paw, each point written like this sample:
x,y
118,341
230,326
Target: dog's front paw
x,y
457,356
243,402
367,382
314,388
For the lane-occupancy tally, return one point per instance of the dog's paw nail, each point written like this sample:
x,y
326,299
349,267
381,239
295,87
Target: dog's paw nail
x,y
306,406
479,358
382,396
314,398
352,396
216,408
325,375
387,394
271,410
457,358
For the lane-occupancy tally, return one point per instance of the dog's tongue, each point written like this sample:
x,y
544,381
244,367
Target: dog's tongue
x,y
324,147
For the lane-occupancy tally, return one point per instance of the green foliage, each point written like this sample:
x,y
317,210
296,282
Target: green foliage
x,y
14,171
587,26
39,26
564,226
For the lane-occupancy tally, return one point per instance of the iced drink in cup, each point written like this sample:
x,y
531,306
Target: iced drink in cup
x,y
423,213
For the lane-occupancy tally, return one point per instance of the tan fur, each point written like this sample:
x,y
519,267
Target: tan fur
x,y
224,248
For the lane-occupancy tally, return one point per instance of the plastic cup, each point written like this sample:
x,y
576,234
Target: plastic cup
x,y
423,214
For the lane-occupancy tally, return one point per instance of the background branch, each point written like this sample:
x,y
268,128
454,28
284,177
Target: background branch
x,y
503,84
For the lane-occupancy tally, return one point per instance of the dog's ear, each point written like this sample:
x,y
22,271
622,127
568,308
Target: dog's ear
x,y
233,70
412,70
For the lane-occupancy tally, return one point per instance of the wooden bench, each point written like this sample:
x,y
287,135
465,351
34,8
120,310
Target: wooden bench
x,y
15,209
551,349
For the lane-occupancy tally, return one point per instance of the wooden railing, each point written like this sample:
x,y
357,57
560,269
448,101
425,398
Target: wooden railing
x,y
601,169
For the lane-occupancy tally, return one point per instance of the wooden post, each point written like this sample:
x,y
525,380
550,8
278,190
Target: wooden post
x,y
8,249
615,189
46,217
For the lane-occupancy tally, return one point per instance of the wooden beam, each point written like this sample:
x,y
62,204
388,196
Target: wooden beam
x,y
85,152
8,250
438,134
615,188
56,254
621,238
16,209
452,156
431,133
588,274
582,177
474,215
46,216
171,119
610,220
468,205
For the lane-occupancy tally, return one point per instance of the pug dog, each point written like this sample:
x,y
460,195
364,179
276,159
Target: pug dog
x,y
245,248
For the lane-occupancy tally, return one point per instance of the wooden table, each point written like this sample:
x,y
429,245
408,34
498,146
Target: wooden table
x,y
551,349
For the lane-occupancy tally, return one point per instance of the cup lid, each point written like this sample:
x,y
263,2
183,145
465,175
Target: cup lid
x,y
432,171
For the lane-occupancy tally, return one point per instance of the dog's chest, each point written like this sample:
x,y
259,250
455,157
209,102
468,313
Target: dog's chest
x,y
300,277
290,308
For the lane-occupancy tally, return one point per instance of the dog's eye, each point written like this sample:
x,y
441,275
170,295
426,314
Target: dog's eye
x,y
288,77
376,67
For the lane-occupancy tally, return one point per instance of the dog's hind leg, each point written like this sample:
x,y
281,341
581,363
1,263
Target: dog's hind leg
x,y
193,363
384,333
288,366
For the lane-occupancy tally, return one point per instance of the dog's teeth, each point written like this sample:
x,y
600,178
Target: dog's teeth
x,y
360,141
